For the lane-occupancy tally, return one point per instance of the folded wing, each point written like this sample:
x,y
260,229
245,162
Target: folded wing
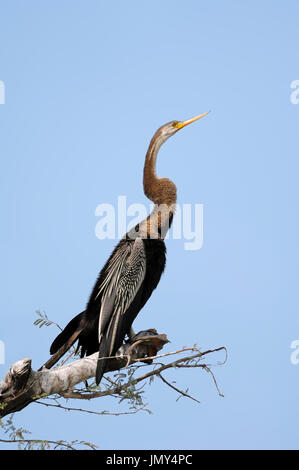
x,y
124,277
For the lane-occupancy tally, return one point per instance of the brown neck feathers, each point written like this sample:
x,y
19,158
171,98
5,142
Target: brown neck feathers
x,y
158,190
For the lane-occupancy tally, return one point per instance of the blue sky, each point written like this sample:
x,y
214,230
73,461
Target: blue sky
x,y
86,85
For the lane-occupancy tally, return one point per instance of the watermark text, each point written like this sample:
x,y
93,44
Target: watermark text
x,y
2,92
116,220
295,354
2,352
294,96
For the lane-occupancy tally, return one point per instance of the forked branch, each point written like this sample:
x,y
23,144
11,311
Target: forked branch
x,y
22,385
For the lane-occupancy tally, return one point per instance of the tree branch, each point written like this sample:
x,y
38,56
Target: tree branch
x,y
22,385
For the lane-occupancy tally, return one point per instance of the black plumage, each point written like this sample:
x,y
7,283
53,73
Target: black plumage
x,y
86,323
130,275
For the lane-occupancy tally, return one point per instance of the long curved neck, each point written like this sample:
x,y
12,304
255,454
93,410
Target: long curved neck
x,y
158,190
161,191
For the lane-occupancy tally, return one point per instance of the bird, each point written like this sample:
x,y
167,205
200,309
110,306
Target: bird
x,y
131,273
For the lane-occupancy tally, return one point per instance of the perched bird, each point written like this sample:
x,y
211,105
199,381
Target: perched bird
x,y
131,273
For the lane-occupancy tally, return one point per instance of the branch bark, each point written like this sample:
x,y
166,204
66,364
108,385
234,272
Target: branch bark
x,y
22,385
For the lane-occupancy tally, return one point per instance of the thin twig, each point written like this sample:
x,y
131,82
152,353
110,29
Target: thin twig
x,y
175,363
215,382
176,389
37,441
110,413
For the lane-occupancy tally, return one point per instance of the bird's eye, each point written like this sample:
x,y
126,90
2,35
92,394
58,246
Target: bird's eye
x,y
175,123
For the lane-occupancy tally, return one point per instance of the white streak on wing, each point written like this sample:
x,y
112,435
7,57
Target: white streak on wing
x,y
126,272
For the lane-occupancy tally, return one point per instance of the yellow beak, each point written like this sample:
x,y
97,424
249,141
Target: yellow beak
x,y
185,123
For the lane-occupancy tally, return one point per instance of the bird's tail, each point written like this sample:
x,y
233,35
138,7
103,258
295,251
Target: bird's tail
x,y
64,340
102,358
109,343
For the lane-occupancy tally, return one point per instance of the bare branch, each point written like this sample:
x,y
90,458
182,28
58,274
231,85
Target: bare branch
x,y
185,394
22,385
45,444
104,412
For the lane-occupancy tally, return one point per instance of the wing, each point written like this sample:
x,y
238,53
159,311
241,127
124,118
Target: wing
x,y
125,274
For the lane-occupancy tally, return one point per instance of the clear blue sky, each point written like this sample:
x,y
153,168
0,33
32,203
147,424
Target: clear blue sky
x,y
87,83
